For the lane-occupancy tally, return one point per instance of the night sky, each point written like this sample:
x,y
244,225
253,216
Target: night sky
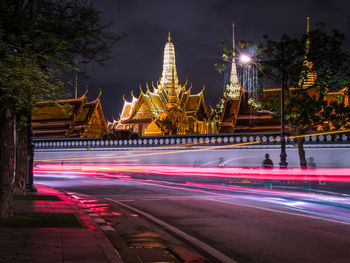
x,y
197,27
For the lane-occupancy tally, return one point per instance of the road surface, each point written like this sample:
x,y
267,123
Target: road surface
x,y
228,222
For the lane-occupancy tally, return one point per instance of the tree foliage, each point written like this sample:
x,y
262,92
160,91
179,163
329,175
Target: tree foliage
x,y
290,62
46,38
40,41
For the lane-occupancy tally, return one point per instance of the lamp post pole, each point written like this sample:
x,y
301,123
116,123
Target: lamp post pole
x,y
282,67
30,157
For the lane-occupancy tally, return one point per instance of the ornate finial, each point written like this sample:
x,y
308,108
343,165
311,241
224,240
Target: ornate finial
x,y
307,25
86,91
169,37
233,38
140,88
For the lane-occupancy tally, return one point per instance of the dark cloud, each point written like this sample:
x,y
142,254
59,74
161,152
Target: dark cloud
x,y
197,27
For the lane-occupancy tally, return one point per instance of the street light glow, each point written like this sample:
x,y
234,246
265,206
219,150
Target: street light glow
x,y
245,59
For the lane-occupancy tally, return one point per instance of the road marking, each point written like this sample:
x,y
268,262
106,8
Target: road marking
x,y
107,228
128,200
151,199
93,214
99,220
284,212
205,247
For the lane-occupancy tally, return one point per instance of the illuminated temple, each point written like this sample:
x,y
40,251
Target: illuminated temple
x,y
171,109
69,118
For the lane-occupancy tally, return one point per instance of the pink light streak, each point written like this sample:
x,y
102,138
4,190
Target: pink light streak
x,y
117,171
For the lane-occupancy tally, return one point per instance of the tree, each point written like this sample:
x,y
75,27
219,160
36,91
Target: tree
x,y
40,40
315,69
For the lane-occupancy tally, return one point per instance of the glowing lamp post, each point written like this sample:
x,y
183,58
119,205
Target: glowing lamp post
x,y
244,59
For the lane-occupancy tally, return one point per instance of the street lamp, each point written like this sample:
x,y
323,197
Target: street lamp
x,y
245,59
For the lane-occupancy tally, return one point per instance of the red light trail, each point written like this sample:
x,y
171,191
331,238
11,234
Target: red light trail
x,y
108,170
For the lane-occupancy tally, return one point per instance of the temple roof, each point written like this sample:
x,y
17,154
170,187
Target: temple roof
x,y
58,110
127,108
66,118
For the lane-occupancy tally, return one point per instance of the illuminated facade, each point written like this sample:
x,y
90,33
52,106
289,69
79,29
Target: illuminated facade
x,y
69,118
171,109
168,109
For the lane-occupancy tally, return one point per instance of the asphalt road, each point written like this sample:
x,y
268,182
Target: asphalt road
x,y
242,223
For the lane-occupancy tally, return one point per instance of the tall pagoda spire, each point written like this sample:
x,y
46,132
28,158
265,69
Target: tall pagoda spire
x,y
169,66
308,42
233,88
309,77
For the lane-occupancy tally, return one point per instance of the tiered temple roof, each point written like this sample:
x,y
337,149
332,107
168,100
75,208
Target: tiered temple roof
x,y
69,118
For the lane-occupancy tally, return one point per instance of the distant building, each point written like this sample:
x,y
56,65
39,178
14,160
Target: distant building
x,y
69,118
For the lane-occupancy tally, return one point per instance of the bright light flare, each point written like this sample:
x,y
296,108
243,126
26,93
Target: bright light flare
x,y
245,59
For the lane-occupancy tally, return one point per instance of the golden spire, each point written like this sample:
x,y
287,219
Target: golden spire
x,y
233,88
308,41
169,66
233,38
309,75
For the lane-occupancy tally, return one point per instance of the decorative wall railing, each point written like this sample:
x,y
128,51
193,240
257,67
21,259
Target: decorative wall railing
x,y
189,141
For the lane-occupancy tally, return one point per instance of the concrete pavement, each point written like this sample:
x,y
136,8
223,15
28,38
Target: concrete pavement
x,y
88,244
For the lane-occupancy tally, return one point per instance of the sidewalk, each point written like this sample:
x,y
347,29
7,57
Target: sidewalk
x,y
27,244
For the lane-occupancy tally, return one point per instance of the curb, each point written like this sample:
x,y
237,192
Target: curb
x,y
109,251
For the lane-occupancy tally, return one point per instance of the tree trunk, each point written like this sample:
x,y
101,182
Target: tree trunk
x,y
6,161
21,161
300,141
